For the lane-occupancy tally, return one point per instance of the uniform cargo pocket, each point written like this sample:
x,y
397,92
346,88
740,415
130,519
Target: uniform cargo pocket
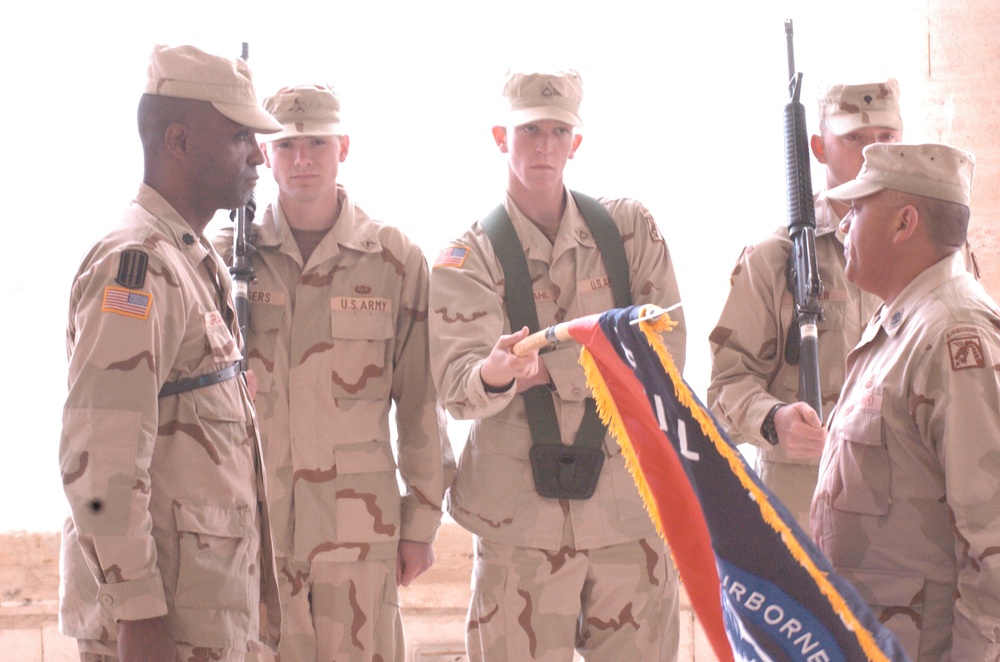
x,y
862,479
368,498
361,356
897,599
214,556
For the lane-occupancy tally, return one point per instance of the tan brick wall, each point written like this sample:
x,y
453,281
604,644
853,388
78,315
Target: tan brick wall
x,y
433,608
960,103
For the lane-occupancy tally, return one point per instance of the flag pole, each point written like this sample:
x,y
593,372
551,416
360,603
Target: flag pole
x,y
558,333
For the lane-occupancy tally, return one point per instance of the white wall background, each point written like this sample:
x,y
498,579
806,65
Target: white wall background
x,y
682,110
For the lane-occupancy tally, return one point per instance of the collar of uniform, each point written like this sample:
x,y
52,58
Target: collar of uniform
x,y
930,278
192,245
350,230
268,231
827,220
353,228
573,229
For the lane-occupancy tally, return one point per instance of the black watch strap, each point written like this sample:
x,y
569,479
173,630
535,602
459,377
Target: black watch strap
x,y
767,429
497,389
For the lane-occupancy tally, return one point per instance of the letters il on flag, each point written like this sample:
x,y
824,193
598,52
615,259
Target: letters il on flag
x,y
759,586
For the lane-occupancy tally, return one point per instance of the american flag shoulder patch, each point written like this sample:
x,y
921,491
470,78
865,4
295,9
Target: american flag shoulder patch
x,y
126,302
451,256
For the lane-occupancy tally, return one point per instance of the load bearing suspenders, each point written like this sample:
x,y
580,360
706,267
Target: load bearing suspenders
x,y
559,471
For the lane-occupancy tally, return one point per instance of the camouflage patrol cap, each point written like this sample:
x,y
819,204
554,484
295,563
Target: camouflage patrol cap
x,y
186,72
931,170
305,110
847,108
534,96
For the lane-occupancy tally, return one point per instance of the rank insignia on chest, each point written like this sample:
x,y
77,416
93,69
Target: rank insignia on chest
x,y
132,269
451,256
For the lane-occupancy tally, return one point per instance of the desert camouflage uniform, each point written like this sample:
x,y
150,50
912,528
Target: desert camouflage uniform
x,y
908,498
334,343
166,494
749,372
537,558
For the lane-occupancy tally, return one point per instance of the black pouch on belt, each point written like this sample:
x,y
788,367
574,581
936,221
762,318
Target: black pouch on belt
x,y
566,472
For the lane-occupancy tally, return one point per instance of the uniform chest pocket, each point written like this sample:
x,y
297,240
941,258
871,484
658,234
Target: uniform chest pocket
x,y
361,354
594,295
265,324
221,343
834,312
862,480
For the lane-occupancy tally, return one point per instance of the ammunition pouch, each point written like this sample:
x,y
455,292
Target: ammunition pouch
x,y
565,472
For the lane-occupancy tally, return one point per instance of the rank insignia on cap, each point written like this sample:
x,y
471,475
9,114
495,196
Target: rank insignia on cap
x,y
451,256
132,269
126,302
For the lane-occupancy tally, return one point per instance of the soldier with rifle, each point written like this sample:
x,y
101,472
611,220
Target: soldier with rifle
x,y
756,391
167,553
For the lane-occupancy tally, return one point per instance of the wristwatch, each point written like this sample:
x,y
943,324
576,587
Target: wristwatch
x,y
497,389
767,427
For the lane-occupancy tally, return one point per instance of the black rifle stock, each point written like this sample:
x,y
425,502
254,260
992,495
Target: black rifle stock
x,y
241,269
803,273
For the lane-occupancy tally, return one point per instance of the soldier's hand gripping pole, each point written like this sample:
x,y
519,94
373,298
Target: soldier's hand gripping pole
x,y
806,287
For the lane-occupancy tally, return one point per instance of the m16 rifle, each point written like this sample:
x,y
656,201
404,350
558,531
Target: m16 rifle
x,y
241,270
803,271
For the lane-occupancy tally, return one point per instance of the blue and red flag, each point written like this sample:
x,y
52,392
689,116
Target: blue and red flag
x,y
759,586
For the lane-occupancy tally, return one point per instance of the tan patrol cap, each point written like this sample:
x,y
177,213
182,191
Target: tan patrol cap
x,y
931,170
186,72
305,110
847,108
554,95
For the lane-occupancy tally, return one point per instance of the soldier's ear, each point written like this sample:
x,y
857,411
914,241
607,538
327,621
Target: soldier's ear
x,y
345,146
577,139
175,139
906,220
500,136
267,154
818,150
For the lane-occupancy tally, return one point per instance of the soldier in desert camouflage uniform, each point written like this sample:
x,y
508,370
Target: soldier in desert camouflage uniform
x,y
751,380
907,501
166,554
550,574
338,333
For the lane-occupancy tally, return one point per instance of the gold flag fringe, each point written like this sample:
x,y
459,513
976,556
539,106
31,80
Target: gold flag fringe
x,y
612,419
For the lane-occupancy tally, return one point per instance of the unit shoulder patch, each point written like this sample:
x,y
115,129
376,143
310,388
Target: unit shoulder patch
x,y
965,349
132,265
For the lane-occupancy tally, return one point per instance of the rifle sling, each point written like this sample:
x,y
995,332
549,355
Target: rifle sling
x,y
191,383
520,302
